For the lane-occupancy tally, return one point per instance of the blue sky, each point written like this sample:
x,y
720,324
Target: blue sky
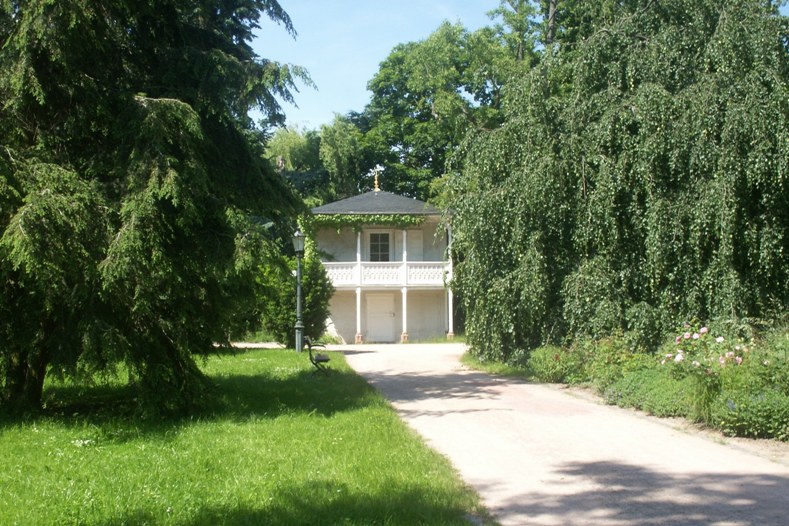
x,y
342,42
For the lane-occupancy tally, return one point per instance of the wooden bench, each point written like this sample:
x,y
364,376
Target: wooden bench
x,y
318,359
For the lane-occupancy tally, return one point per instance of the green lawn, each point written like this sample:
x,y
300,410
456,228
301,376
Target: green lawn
x,y
283,446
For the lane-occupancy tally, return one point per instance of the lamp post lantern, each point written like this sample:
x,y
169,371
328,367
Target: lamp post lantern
x,y
298,247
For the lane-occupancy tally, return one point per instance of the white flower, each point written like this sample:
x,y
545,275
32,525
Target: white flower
x,y
719,339
679,357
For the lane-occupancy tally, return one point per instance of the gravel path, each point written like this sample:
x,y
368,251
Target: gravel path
x,y
544,455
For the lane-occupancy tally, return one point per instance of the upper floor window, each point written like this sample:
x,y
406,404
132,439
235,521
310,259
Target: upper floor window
x,y
379,246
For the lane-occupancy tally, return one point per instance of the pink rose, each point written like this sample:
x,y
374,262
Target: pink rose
x,y
686,336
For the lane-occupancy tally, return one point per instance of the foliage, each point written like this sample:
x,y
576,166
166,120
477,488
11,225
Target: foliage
x,y
755,398
609,359
279,447
747,397
702,359
357,221
426,95
757,415
344,155
278,309
295,154
132,189
652,390
554,364
635,180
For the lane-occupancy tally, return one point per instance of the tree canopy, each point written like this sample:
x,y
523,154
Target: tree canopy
x,y
640,178
133,194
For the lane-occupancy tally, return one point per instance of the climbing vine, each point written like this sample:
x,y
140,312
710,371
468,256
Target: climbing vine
x,y
358,221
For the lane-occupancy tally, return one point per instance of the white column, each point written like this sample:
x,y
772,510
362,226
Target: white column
x,y
404,335
358,259
450,295
358,338
404,275
450,314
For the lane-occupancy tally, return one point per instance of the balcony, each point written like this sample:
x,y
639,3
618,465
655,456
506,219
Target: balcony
x,y
429,274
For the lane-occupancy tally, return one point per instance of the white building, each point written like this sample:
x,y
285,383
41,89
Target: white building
x,y
387,257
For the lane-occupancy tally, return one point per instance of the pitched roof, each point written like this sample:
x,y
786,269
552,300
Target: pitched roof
x,y
378,203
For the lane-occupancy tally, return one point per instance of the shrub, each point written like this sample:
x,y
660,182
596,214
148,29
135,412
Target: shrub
x,y
653,390
697,355
279,304
764,414
554,364
605,361
773,361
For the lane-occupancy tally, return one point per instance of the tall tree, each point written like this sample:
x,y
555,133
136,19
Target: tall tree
x,y
342,152
427,94
518,27
132,187
640,179
295,154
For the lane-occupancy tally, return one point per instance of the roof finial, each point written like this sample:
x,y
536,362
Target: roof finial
x,y
377,169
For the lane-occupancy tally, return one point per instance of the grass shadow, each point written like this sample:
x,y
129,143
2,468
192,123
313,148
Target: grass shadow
x,y
238,394
242,397
325,502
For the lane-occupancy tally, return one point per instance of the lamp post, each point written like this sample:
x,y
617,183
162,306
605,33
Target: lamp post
x,y
298,247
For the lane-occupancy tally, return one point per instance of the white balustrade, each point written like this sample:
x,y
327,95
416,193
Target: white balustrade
x,y
342,274
416,273
427,273
382,273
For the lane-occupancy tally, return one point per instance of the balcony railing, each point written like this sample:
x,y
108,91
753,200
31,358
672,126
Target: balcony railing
x,y
408,274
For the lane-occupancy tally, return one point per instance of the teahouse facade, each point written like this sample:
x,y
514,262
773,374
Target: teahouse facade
x,y
386,256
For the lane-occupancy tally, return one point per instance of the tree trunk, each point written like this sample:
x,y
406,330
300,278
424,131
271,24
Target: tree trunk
x,y
14,381
24,381
550,29
25,372
36,373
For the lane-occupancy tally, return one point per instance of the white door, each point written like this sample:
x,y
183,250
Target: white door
x,y
380,318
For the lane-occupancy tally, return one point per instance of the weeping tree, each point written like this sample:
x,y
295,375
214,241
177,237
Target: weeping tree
x,y
641,178
133,194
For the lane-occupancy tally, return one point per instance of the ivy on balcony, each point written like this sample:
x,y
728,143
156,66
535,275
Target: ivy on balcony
x,y
358,221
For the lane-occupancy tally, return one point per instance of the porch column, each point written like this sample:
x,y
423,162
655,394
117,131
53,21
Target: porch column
x,y
450,314
404,335
450,295
358,261
405,258
358,338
